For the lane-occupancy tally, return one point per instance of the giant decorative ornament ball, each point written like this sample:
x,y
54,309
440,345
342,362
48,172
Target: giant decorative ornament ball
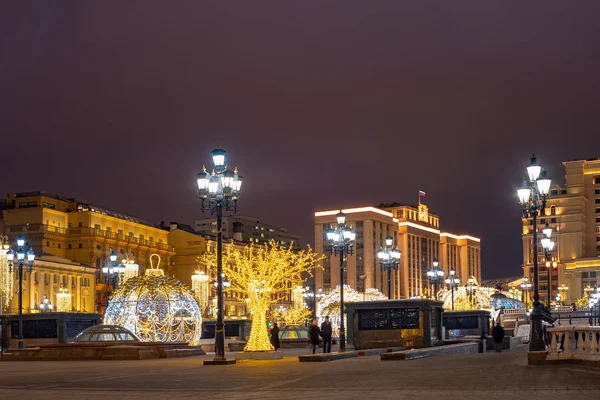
x,y
157,309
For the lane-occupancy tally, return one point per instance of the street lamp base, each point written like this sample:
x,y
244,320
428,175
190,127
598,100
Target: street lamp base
x,y
537,333
21,344
225,361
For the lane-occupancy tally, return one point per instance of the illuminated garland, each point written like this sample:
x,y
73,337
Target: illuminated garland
x,y
157,309
6,281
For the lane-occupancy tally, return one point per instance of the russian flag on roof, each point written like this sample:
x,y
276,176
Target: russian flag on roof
x,y
421,193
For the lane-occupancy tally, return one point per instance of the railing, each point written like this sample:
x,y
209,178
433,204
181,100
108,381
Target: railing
x,y
508,311
36,228
574,343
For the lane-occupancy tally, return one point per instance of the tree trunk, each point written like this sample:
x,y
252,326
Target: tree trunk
x,y
259,333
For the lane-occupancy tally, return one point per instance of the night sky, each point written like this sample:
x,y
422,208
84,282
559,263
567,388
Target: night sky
x,y
321,104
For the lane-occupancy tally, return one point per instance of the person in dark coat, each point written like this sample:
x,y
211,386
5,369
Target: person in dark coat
x,y
498,335
314,333
326,333
275,336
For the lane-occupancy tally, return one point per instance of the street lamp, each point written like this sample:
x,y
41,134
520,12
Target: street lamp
x,y
435,276
389,257
594,303
532,197
21,254
341,239
453,281
548,246
526,286
219,189
471,287
562,292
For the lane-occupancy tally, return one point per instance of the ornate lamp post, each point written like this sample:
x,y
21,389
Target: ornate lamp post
x,y
532,197
21,261
388,260
548,246
562,292
452,281
435,275
471,287
219,189
341,239
526,286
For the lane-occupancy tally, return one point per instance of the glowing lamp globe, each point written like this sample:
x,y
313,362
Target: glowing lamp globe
x,y
156,309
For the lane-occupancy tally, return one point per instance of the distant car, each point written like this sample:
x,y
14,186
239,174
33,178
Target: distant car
x,y
105,333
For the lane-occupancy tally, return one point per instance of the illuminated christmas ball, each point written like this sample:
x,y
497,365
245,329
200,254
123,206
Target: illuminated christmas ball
x,y
156,309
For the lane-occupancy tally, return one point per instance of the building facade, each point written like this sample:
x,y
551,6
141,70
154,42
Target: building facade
x,y
573,213
414,230
81,232
247,230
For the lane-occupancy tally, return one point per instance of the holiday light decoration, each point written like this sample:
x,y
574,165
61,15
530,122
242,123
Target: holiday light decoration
x,y
154,270
63,300
131,270
200,288
258,275
481,298
157,309
6,275
329,305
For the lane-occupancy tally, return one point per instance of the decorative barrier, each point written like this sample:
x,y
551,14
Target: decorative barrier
x,y
574,343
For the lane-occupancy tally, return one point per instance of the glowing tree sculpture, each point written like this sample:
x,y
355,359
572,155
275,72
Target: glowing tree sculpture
x,y
157,309
259,274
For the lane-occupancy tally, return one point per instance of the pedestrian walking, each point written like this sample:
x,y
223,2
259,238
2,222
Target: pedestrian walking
x,y
314,335
326,333
275,336
498,336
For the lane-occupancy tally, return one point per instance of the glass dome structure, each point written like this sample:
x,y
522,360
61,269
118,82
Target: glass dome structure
x,y
105,333
156,309
499,300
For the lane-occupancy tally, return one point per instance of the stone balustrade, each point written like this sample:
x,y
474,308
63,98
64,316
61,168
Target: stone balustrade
x,y
574,343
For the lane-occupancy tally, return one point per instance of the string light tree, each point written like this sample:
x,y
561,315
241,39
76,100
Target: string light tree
x,y
532,197
21,261
389,257
219,189
259,275
341,239
6,275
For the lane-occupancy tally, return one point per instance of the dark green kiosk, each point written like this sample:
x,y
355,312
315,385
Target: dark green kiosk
x,y
409,323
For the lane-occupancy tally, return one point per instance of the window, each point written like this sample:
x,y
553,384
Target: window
x,y
69,246
597,219
597,191
553,210
584,274
69,225
81,245
120,231
553,220
597,201
597,210
80,224
59,245
98,246
48,205
28,204
96,226
47,244
554,192
564,191
597,180
108,229
592,274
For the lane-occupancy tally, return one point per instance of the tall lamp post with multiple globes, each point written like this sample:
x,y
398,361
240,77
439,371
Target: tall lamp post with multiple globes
x,y
341,238
471,287
548,246
389,257
21,254
452,281
435,275
532,197
219,189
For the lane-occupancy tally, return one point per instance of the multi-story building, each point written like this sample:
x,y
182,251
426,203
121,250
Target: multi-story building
x,y
82,232
52,276
414,230
573,212
249,229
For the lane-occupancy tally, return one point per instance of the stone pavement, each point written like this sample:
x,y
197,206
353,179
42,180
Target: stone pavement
x,y
488,376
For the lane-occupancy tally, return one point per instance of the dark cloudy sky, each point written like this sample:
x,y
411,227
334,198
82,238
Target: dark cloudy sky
x,y
321,104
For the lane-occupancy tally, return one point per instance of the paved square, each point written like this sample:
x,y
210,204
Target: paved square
x,y
484,376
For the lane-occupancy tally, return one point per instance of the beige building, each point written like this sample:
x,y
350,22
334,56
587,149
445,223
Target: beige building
x,y
415,231
573,212
63,282
78,231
